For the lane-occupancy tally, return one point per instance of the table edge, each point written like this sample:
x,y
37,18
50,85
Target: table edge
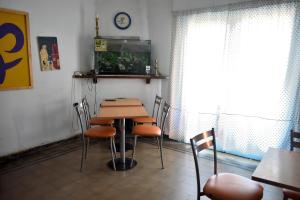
x,y
270,182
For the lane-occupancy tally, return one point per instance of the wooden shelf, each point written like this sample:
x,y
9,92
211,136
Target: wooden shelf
x,y
146,77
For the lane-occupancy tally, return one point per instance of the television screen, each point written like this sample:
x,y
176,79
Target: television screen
x,y
123,56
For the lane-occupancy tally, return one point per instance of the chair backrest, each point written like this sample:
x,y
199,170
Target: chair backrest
x,y
80,115
163,117
295,140
86,109
200,142
156,106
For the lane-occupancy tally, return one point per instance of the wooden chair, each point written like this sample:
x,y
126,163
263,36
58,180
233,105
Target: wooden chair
x,y
295,143
152,131
222,185
151,119
94,121
94,132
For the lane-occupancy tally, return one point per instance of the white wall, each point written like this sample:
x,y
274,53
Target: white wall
x,y
41,115
106,9
37,116
160,32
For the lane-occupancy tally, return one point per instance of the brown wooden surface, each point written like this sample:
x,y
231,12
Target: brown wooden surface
x,y
146,77
279,168
121,76
122,112
122,102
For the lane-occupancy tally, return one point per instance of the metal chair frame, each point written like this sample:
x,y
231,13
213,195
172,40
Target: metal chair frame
x,y
155,111
156,107
198,145
88,116
163,117
80,110
86,109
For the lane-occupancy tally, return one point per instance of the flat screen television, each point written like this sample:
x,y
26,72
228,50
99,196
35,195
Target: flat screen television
x,y
123,56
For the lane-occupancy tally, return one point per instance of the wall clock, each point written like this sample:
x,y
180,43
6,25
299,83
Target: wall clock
x,y
122,20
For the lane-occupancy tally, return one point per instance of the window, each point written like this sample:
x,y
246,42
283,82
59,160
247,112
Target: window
x,y
236,69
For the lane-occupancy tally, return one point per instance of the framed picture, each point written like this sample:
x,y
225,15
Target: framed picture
x,y
15,53
48,53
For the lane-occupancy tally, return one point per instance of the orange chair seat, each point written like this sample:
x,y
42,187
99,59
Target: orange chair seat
x,y
233,187
100,132
99,121
145,120
146,130
291,194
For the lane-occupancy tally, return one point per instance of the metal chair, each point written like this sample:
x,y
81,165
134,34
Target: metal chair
x,y
152,131
94,132
295,143
94,121
222,185
153,118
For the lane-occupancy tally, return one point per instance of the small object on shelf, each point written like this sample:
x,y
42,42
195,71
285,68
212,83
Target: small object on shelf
x,y
78,73
148,68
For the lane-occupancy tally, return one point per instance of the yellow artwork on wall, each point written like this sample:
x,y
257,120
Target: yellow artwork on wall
x,y
15,54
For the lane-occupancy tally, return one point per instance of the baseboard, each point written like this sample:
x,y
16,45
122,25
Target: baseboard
x,y
4,160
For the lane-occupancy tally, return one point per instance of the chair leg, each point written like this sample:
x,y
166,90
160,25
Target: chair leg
x,y
161,157
82,152
114,146
133,151
87,144
157,140
112,152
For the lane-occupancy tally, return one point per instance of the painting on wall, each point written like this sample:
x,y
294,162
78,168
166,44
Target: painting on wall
x,y
48,52
15,54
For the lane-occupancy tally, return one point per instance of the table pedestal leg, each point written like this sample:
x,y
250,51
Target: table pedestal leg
x,y
122,142
122,163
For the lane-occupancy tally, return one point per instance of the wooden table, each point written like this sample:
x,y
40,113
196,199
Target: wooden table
x,y
122,112
279,168
121,102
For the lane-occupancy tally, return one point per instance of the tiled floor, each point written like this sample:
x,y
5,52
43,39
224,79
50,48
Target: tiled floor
x,y
59,178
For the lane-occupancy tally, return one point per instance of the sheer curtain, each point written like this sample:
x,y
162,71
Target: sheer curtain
x,y
236,68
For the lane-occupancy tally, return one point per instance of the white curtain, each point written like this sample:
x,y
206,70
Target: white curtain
x,y
236,68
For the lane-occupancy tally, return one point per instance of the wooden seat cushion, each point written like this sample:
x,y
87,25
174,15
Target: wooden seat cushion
x,y
144,120
233,187
291,194
99,121
100,132
146,130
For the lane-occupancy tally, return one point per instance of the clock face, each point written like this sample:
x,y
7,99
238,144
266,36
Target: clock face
x,y
122,20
